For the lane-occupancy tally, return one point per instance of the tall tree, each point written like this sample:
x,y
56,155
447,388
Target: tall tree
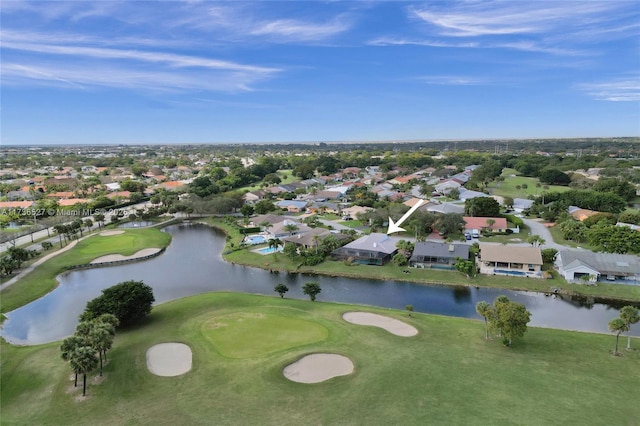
x,y
68,347
482,207
101,340
485,310
83,360
630,316
618,326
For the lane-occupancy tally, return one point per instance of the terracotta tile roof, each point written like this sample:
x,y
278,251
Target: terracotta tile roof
x,y
72,201
481,222
15,204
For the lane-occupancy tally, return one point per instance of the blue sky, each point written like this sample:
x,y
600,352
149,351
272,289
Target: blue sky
x,y
212,72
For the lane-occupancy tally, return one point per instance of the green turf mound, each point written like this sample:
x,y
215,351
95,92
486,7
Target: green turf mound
x,y
248,335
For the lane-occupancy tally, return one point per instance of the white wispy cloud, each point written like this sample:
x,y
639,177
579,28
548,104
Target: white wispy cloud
x,y
472,19
452,80
170,59
113,76
390,41
290,29
620,90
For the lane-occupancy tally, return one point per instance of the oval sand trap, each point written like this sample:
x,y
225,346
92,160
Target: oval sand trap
x,y
113,232
316,368
393,326
117,257
169,359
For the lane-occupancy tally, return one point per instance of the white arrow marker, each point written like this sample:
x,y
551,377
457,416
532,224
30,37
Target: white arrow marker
x,y
395,227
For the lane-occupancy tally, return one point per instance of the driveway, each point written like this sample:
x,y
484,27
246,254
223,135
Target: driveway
x,y
538,228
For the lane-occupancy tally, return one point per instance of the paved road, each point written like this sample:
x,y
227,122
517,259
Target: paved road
x,y
28,239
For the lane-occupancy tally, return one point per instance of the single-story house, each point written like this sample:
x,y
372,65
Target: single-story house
x,y
521,204
437,255
372,249
467,194
580,214
354,211
499,224
587,266
447,186
286,228
254,196
292,206
310,239
445,208
270,219
324,207
500,259
16,204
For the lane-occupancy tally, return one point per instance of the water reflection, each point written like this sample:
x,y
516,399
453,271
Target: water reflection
x,y
193,264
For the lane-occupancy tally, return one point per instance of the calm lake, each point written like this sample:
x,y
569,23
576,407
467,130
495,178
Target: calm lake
x,y
193,264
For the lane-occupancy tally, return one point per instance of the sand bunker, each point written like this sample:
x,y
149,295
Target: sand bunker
x,y
393,326
316,368
113,232
169,359
117,257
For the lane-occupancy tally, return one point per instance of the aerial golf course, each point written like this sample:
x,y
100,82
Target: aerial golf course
x,y
240,344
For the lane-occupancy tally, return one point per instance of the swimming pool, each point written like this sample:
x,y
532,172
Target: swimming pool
x,y
255,239
268,250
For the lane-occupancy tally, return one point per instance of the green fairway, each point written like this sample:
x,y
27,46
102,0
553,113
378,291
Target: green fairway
x,y
512,186
244,335
447,374
42,280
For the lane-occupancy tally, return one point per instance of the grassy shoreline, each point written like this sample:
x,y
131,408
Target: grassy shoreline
x,y
447,374
42,279
280,262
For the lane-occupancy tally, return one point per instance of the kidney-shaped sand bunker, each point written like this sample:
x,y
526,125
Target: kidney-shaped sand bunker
x,y
316,368
392,325
169,359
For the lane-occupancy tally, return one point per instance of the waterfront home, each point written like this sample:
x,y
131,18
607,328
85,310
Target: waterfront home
x,y
502,259
584,266
437,255
372,249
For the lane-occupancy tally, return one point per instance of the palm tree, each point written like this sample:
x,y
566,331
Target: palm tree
x,y
101,340
629,315
275,243
83,360
490,223
68,347
484,310
617,325
99,217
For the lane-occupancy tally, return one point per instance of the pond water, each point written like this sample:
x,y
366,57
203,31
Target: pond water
x,y
192,264
136,224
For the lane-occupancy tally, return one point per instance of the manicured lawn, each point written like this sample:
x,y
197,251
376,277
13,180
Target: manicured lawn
x,y
447,374
42,279
285,176
507,188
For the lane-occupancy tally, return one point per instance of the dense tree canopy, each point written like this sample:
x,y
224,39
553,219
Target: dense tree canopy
x,y
128,301
482,207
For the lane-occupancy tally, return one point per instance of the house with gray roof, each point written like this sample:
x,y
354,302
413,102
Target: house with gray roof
x,y
437,255
372,249
292,206
584,266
